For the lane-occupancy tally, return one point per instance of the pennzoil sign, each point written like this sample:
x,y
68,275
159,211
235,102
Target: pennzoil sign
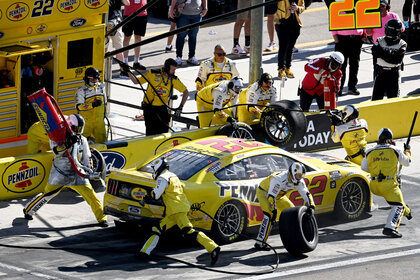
x,y
17,11
68,6
94,4
23,176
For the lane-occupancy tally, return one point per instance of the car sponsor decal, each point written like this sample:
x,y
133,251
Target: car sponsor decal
x,y
243,190
113,160
41,28
215,167
23,176
138,193
95,4
320,182
170,143
68,6
78,22
229,146
335,175
17,11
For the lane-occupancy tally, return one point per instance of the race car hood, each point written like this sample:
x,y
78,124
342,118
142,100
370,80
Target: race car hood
x,y
325,161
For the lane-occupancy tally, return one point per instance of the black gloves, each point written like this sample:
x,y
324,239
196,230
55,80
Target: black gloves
x,y
230,119
215,110
274,216
178,111
146,199
70,140
310,210
96,103
407,147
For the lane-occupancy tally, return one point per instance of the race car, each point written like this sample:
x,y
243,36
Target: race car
x,y
221,175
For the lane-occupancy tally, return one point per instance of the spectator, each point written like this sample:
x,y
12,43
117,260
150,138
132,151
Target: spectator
x,y
193,12
318,70
90,103
388,54
271,11
138,26
161,83
171,190
216,69
256,96
349,43
169,47
386,15
288,26
242,18
114,18
406,12
213,100
63,175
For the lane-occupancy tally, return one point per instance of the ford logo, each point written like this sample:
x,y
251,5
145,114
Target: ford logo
x,y
113,160
1,35
77,22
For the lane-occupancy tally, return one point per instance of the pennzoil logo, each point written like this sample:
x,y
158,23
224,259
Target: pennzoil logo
x,y
23,176
17,11
68,6
94,4
42,116
41,28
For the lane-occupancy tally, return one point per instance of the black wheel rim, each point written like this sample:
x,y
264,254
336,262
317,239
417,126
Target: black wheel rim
x,y
229,219
277,127
352,197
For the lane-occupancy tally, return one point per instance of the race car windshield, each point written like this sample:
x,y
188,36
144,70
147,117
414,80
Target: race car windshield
x,y
184,163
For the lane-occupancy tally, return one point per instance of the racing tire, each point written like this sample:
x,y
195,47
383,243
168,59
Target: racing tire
x,y
352,200
298,230
283,123
238,130
99,166
232,222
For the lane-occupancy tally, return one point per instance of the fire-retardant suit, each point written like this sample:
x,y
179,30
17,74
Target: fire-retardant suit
x,y
38,141
90,104
170,188
352,133
382,163
271,195
213,98
212,72
259,94
63,175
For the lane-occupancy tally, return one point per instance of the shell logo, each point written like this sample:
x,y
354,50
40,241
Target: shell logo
x,y
17,11
41,28
68,6
94,4
138,193
23,176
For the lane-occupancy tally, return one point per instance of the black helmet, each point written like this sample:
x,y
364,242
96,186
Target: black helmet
x,y
350,113
91,73
77,123
393,29
385,134
266,78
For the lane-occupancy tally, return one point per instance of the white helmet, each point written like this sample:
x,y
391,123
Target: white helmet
x,y
350,113
235,86
158,166
77,123
385,134
296,172
336,60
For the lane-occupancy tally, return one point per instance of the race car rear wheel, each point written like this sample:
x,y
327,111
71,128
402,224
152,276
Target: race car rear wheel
x,y
298,230
238,130
283,123
232,221
352,200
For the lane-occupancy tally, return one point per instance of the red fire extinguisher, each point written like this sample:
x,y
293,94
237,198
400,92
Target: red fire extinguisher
x,y
54,122
329,94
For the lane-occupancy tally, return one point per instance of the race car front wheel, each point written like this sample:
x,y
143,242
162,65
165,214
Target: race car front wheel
x,y
283,123
232,221
99,166
298,230
237,130
352,200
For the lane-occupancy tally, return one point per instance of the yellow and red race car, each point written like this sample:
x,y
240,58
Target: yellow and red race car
x,y
221,175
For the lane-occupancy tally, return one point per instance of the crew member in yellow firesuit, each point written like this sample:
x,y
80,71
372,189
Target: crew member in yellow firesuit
x,y
38,141
216,69
90,104
352,133
382,163
170,188
63,175
271,195
161,83
213,98
258,94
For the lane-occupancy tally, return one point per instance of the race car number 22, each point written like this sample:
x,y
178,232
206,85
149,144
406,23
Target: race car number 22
x,y
350,14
